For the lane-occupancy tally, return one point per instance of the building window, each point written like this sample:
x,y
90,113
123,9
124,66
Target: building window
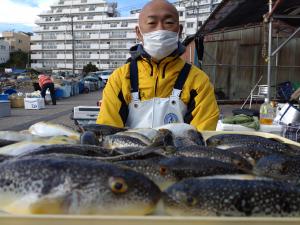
x,y
190,25
181,13
59,10
80,18
57,19
83,1
124,24
61,2
92,8
82,9
113,25
90,17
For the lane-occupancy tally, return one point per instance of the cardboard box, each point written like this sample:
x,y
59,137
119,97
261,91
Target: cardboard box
x,y
17,102
34,103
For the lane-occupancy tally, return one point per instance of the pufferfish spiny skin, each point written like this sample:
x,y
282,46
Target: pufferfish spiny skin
x,y
73,185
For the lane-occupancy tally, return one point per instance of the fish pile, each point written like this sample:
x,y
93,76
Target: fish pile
x,y
51,169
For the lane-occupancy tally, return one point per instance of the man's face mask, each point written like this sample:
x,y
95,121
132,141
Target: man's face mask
x,y
161,43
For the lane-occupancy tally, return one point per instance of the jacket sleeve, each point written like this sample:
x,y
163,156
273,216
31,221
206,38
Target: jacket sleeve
x,y
113,110
205,111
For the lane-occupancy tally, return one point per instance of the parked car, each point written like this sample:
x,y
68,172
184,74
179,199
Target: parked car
x,y
104,75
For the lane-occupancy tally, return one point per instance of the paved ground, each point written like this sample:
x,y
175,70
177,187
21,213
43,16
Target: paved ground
x,y
22,119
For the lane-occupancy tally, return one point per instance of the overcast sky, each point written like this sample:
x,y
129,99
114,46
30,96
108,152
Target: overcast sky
x,y
19,15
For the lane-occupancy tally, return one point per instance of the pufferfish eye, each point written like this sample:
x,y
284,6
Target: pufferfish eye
x,y
117,185
190,201
162,170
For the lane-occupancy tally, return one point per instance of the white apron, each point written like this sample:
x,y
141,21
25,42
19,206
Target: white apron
x,y
156,111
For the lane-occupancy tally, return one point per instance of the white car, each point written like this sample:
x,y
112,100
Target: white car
x,y
104,75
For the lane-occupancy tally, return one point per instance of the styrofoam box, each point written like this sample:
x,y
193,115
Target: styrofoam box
x,y
34,103
273,129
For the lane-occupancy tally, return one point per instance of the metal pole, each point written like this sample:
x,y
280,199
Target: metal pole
x,y
73,46
285,42
269,52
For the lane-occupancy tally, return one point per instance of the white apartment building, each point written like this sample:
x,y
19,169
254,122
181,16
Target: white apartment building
x,y
90,31
4,51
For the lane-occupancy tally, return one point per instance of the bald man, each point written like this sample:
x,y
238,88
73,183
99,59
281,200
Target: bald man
x,y
157,87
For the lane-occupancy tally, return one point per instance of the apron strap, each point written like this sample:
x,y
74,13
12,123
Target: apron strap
x,y
181,80
134,80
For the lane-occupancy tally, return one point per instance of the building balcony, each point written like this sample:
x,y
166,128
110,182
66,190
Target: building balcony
x,y
36,38
104,46
104,56
37,29
36,65
64,56
94,56
104,66
131,35
36,56
35,47
94,46
64,37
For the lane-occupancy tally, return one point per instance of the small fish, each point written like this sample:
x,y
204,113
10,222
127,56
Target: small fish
x,y
11,137
177,129
232,197
279,167
23,147
46,129
72,185
251,153
102,130
119,141
184,167
215,154
151,169
76,149
89,138
136,135
225,141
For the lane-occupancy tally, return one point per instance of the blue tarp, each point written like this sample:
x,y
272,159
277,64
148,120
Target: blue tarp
x,y
17,71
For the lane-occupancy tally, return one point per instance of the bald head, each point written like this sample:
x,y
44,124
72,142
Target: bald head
x,y
158,15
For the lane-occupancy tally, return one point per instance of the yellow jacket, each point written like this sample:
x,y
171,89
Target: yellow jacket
x,y
157,80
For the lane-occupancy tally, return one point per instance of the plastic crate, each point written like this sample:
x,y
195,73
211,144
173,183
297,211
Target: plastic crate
x,y
4,97
285,90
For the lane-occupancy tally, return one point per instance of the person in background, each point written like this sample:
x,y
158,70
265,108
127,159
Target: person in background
x,y
45,83
156,86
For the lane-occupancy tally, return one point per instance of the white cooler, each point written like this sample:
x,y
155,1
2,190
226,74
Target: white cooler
x,y
34,103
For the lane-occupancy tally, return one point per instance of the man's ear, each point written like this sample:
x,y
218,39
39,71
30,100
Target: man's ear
x,y
138,33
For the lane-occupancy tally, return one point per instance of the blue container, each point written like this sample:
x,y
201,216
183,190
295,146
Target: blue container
x,y
59,93
4,97
10,91
81,87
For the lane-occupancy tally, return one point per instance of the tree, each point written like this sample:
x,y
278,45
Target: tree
x,y
17,59
90,68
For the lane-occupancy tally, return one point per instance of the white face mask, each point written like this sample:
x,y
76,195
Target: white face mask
x,y
161,43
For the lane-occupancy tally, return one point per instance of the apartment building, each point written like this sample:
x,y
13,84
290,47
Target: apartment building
x,y
4,51
74,33
18,41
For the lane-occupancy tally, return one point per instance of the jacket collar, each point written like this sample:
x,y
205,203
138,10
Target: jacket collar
x,y
138,51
